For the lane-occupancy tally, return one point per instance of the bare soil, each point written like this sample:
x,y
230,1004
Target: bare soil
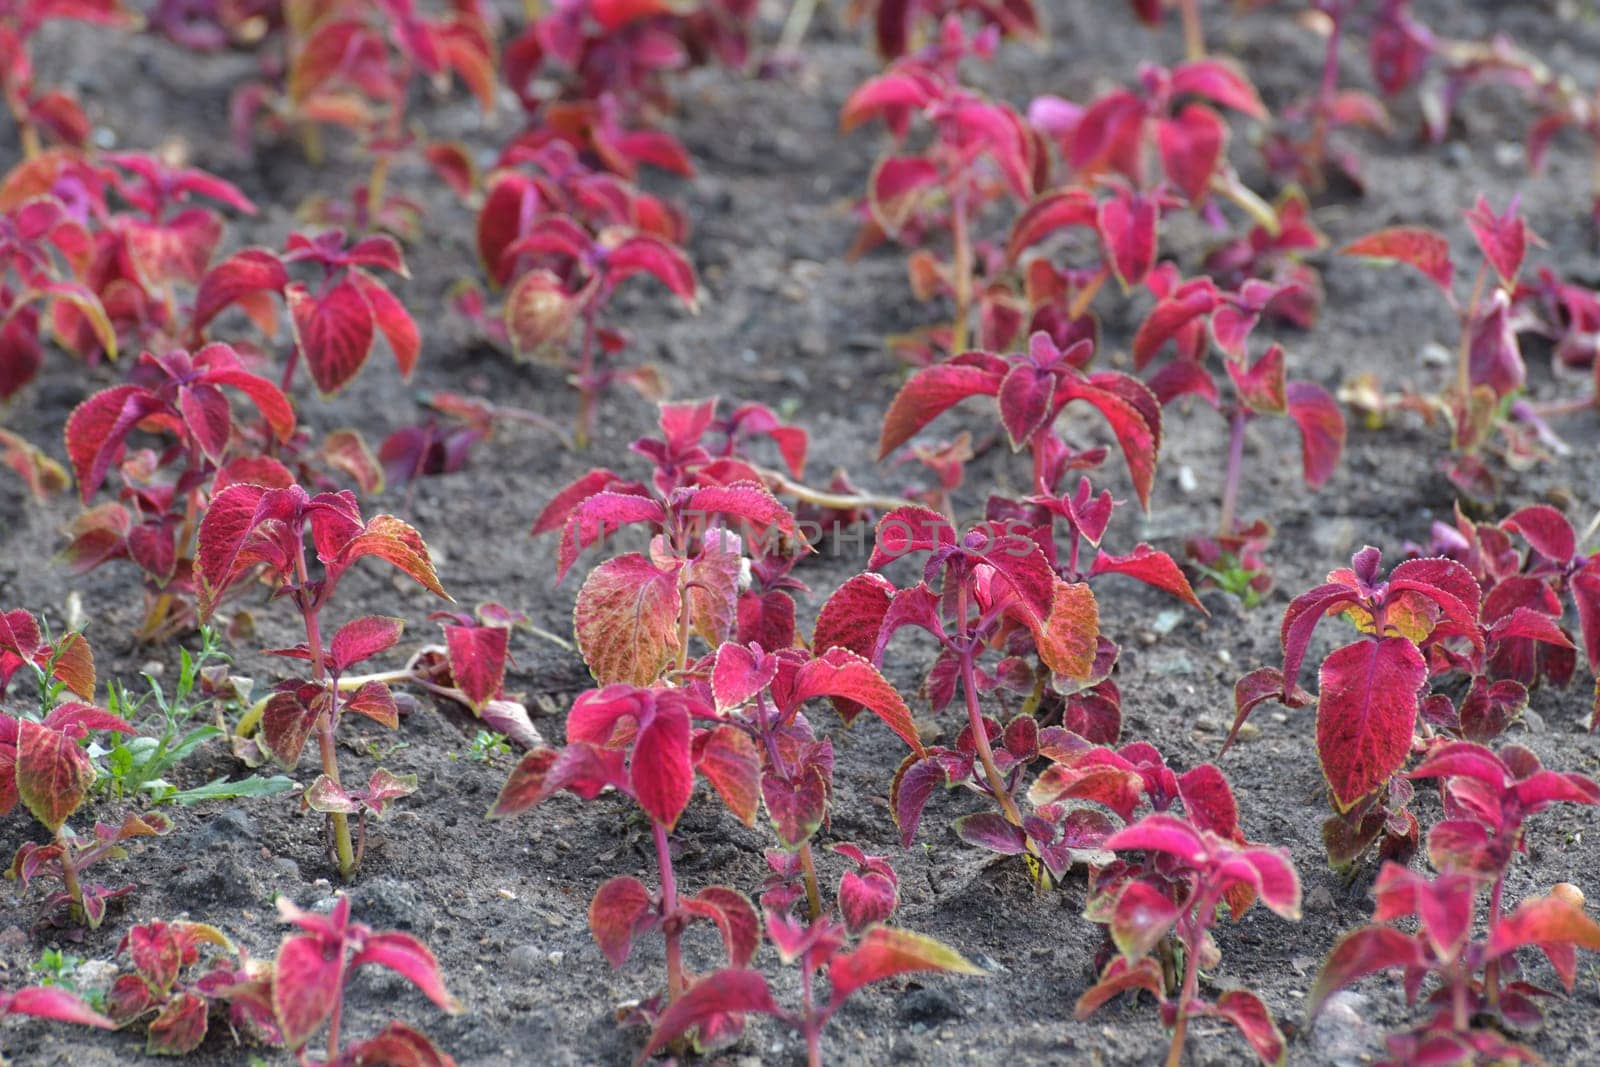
x,y
790,322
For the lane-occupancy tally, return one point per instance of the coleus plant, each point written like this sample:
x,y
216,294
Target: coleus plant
x,y
1490,374
636,613
1423,621
760,695
901,26
1532,584
173,992
38,111
579,54
643,743
469,669
820,947
44,765
1197,318
313,968
181,396
250,530
1188,872
1170,118
560,240
1487,798
978,152
990,588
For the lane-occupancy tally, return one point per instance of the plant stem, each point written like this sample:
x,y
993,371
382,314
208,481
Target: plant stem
x,y
812,1027
69,869
1227,185
782,484
669,913
795,26
335,1017
1464,357
586,397
1327,89
327,745
780,767
1230,486
1491,969
980,737
1194,38
961,267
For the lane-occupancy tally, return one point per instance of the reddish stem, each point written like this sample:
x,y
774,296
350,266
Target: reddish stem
x,y
670,928
980,736
1230,486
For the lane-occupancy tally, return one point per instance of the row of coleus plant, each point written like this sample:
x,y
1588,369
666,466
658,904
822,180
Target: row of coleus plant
x,y
112,251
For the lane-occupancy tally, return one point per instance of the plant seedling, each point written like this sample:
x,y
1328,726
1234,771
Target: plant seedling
x,y
1178,895
249,529
643,743
312,969
43,764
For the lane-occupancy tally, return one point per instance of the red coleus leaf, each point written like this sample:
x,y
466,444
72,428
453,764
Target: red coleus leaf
x,y
1132,411
797,804
622,908
411,960
1245,1010
334,332
97,428
884,953
1127,225
395,542
660,768
897,187
728,759
646,254
1152,568
1162,833
1546,529
1191,145
1366,714
1415,246
180,1026
543,772
1503,238
844,676
739,675
1362,952
477,657
306,986
600,515
362,639
734,917
244,274
732,991
933,390
286,724
1261,386
626,618
1549,923
1219,82
392,319
50,1002
1118,977
53,773
1141,918
1322,430
396,1045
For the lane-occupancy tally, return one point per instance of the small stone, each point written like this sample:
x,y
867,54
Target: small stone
x,y
105,137
1434,354
928,1007
556,957
1224,656
1508,155
1319,899
1248,731
1341,1036
1166,621
1278,717
525,959
286,868
1188,484
1205,724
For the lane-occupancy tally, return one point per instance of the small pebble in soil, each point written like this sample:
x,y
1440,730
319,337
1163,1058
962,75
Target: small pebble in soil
x,y
928,1006
1188,484
1341,1036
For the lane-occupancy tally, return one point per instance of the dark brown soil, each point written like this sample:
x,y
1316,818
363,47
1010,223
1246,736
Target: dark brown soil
x,y
789,322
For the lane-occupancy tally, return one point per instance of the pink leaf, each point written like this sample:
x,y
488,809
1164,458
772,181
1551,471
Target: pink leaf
x,y
1246,1011
738,676
477,661
884,953
932,390
626,618
1322,431
660,768
732,991
1415,246
844,675
1151,567
411,960
334,332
